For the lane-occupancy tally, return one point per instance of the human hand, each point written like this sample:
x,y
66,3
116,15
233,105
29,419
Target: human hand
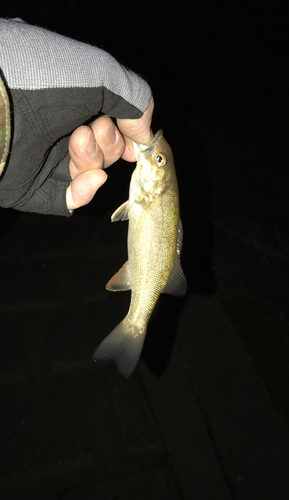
x,y
95,148
56,85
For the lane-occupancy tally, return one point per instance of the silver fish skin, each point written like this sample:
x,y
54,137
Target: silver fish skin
x,y
154,246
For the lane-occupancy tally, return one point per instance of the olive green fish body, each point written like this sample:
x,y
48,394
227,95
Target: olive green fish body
x,y
151,250
154,246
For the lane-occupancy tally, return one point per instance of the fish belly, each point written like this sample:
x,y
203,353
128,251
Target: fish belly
x,y
151,249
152,239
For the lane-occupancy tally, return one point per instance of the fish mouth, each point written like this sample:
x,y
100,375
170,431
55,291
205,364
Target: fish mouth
x,y
147,149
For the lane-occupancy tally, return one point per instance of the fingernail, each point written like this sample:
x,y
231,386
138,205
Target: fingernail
x,y
90,145
109,136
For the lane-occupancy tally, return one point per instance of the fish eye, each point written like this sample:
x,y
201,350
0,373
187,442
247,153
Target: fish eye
x,y
161,159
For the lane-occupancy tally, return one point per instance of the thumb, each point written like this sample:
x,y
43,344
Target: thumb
x,y
138,130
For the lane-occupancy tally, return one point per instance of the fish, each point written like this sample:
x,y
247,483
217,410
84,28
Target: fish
x,y
154,243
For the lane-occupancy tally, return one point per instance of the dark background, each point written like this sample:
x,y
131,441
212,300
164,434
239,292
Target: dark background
x,y
219,76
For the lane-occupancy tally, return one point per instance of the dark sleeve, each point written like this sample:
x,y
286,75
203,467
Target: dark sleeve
x,y
55,84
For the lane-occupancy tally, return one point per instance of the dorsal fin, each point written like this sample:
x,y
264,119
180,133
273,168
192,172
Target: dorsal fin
x,y
177,283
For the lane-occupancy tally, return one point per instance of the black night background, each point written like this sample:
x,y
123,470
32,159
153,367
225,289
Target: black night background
x,y
206,413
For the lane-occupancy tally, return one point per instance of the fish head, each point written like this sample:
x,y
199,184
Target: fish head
x,y
155,159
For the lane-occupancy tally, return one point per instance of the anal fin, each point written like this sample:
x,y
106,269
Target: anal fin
x,y
121,280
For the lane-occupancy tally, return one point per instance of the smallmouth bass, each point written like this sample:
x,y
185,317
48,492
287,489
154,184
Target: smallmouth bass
x,y
154,246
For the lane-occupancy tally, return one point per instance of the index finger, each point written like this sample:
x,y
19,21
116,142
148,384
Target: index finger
x,y
138,130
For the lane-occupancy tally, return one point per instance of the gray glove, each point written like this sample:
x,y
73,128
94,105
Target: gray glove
x,y
55,84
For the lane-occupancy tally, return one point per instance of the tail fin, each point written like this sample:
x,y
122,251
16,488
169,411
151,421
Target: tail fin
x,y
123,347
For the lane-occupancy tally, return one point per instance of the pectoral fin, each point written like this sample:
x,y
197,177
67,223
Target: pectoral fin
x,y
121,212
121,280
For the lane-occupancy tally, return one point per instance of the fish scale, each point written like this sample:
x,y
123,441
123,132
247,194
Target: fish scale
x,y
154,244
